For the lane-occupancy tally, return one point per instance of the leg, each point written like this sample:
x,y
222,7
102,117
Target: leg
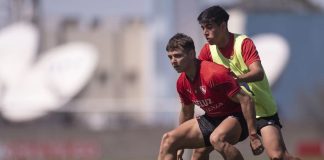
x,y
273,142
187,135
201,153
225,136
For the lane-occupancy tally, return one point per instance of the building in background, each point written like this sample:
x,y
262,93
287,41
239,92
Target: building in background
x,y
133,84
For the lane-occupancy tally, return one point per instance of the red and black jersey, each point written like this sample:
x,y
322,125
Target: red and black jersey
x,y
210,89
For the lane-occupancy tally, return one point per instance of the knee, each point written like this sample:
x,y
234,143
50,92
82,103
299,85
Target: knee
x,y
217,141
167,141
278,155
200,154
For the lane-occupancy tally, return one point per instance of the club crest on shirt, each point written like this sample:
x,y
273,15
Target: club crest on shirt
x,y
203,89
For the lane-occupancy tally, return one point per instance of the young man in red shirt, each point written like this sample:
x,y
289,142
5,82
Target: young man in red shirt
x,y
238,53
229,111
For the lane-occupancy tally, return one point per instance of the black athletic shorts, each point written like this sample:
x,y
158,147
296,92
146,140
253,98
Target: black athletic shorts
x,y
208,124
265,121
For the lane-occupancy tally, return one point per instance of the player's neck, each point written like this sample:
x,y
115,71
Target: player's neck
x,y
191,73
226,40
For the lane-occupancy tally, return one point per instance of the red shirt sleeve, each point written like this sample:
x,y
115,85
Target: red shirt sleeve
x,y
205,54
230,88
249,52
182,93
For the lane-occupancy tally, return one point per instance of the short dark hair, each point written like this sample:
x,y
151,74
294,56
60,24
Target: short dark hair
x,y
180,41
213,14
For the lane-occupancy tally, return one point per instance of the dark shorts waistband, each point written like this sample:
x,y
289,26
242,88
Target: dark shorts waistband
x,y
265,121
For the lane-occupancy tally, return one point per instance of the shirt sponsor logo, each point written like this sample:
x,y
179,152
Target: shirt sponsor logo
x,y
203,103
207,105
203,89
213,107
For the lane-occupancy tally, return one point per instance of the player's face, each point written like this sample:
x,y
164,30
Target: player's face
x,y
180,61
213,33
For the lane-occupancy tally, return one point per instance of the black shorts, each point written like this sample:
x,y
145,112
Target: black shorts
x,y
208,124
265,121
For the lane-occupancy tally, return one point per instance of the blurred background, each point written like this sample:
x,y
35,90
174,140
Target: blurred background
x,y
90,80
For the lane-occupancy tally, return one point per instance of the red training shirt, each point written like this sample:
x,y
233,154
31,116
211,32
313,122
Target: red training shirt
x,y
210,90
249,52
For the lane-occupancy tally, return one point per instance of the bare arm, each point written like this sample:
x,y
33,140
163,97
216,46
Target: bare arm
x,y
248,110
186,112
256,73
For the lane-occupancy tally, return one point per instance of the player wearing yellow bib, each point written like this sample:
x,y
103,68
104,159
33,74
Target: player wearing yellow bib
x,y
238,53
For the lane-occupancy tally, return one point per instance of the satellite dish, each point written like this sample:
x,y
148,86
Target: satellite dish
x,y
68,68
28,100
58,76
237,21
274,53
18,46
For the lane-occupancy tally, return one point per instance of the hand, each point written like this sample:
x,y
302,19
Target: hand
x,y
179,154
256,144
